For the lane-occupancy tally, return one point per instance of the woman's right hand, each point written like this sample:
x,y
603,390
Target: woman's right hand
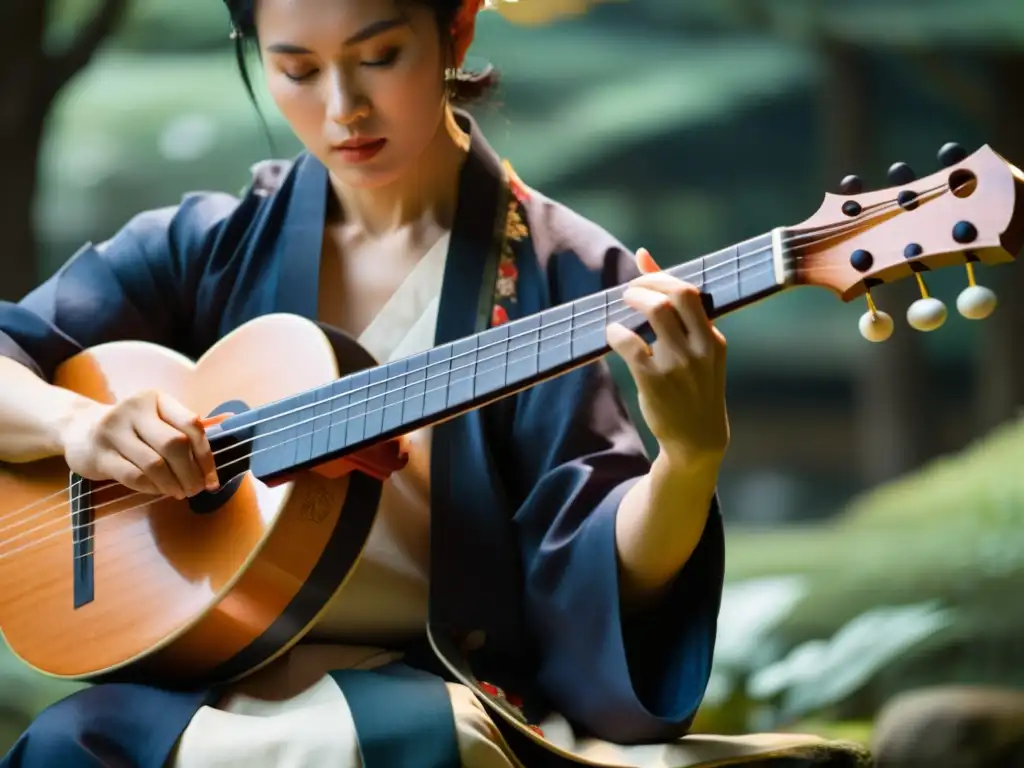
x,y
148,442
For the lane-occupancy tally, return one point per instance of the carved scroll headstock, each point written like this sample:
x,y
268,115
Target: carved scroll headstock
x,y
971,211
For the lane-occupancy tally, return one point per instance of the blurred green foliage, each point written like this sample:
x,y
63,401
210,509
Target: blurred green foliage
x,y
937,555
152,26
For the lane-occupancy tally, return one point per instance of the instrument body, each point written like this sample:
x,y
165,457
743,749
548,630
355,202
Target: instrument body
x,y
184,597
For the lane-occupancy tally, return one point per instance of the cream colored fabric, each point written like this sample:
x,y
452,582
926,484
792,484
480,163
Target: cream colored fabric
x,y
689,752
385,598
291,714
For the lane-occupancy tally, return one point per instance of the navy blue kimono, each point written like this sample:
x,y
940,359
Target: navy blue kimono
x,y
522,538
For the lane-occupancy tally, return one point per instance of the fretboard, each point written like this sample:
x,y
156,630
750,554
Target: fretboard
x,y
395,398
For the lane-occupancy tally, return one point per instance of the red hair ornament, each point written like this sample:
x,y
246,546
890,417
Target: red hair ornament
x,y
464,28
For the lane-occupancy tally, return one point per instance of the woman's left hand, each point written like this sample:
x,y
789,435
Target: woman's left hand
x,y
681,380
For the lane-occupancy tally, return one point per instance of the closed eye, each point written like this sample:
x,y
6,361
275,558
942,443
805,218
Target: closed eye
x,y
389,57
298,78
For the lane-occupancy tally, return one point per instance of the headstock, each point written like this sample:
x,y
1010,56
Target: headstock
x,y
970,212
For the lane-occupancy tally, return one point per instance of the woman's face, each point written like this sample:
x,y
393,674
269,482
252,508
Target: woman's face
x,y
360,81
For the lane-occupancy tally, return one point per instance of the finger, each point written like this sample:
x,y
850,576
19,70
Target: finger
x,y
720,358
686,300
120,470
646,262
688,304
660,313
182,419
174,447
155,468
661,281
631,348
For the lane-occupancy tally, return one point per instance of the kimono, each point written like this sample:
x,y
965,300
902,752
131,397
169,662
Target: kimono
x,y
504,642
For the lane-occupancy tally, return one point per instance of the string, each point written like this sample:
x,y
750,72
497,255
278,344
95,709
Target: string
x,y
383,382
836,231
731,277
74,528
330,413
477,362
157,499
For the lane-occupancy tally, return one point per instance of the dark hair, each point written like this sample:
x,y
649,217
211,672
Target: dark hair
x,y
465,88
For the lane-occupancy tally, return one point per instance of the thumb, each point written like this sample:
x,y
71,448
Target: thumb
x,y
630,347
646,262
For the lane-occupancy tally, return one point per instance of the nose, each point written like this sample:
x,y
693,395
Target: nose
x,y
346,103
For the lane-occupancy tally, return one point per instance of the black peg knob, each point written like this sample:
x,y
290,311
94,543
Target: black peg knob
x,y
964,232
851,185
912,251
951,154
907,199
861,260
900,173
851,208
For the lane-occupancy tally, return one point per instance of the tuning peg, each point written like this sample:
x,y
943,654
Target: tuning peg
x,y
851,185
927,313
951,153
900,173
875,325
975,302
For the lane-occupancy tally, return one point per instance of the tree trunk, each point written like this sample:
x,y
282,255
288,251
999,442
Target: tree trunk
x,y
1000,369
891,396
29,81
24,99
19,264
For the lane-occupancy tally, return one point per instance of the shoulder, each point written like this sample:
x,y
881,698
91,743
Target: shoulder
x,y
203,220
567,242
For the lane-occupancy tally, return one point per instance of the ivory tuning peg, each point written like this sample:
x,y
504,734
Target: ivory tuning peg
x,y
875,325
927,313
975,302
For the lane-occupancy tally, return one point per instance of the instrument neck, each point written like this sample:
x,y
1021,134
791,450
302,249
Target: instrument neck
x,y
389,400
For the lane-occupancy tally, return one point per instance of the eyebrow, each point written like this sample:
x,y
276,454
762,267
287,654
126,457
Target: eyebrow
x,y
366,33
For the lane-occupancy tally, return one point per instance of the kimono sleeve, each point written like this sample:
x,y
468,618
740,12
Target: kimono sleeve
x,y
625,678
138,285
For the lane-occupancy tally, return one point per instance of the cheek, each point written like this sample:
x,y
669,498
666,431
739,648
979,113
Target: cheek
x,y
412,116
410,101
301,106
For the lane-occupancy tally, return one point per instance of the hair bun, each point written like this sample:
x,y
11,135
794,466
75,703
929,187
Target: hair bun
x,y
468,87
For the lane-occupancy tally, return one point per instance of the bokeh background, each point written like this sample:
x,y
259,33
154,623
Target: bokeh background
x,y
873,493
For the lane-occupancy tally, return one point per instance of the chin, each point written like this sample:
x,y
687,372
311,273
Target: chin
x,y
379,172
363,178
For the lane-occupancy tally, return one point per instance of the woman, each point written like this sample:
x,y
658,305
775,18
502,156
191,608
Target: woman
x,y
585,625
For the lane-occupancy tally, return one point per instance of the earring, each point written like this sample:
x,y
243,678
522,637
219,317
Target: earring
x,y
451,75
236,33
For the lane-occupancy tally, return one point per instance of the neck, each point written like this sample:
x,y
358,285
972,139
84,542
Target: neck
x,y
381,403
426,193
